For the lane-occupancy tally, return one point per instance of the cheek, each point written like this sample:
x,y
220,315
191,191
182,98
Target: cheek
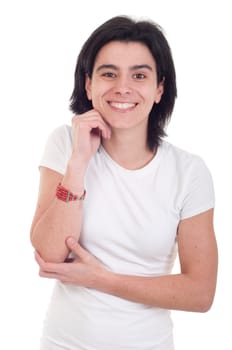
x,y
149,93
96,100
150,100
98,96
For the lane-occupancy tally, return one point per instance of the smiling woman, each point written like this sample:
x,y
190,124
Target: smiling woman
x,y
148,35
124,83
130,200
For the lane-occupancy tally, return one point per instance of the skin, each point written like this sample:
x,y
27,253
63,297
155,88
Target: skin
x,y
123,89
125,73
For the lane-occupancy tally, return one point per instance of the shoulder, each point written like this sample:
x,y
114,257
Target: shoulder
x,y
181,159
58,149
62,132
61,138
177,153
192,178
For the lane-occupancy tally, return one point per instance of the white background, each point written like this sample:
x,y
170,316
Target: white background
x,y
39,44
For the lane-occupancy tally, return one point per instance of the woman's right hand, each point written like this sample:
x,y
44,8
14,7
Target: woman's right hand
x,y
87,130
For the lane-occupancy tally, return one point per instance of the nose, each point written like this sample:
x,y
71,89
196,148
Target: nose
x,y
122,86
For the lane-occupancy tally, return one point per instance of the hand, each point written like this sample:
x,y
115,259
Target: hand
x,y
84,270
87,130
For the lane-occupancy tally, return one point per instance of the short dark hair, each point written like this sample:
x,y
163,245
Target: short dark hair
x,y
125,29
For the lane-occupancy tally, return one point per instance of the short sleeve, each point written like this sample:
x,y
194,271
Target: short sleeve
x,y
58,149
199,191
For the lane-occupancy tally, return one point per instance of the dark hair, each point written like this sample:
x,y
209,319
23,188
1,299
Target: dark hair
x,y
125,29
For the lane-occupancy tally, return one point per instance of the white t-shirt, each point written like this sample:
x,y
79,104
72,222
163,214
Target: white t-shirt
x,y
130,220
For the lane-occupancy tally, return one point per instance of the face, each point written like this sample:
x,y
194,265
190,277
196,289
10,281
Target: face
x,y
123,87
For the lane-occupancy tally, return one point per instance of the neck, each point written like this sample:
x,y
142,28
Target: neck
x,y
128,149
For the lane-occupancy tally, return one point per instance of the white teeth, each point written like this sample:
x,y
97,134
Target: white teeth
x,y
122,105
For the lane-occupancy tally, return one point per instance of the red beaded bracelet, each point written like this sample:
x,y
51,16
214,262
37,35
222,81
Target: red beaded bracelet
x,y
65,195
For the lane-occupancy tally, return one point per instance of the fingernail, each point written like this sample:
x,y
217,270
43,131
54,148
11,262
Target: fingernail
x,y
71,240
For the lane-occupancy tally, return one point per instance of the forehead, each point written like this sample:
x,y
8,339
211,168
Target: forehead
x,y
124,54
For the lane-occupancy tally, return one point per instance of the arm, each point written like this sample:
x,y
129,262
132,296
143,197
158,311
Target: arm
x,y
191,290
55,220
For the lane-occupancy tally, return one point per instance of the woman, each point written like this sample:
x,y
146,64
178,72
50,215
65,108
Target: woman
x,y
116,202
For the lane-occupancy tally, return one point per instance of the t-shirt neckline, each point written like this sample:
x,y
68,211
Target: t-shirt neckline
x,y
146,168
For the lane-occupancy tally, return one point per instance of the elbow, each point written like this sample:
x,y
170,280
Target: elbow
x,y
35,242
204,302
32,240
201,293
48,251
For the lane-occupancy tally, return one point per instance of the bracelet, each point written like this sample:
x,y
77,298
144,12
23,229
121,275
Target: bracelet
x,y
65,195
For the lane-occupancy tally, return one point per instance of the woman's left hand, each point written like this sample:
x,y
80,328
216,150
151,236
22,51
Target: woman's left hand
x,y
84,270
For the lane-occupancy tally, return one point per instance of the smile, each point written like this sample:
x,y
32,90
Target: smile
x,y
122,105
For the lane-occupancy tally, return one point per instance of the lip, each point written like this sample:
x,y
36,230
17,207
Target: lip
x,y
122,106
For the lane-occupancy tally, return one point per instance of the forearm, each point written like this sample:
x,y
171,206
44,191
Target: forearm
x,y
191,290
58,221
174,292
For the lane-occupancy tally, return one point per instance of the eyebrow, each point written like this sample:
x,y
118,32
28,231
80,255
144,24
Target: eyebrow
x,y
113,67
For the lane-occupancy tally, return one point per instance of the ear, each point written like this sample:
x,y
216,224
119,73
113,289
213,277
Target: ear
x,y
160,91
88,87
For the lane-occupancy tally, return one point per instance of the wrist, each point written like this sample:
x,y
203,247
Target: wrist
x,y
103,280
78,164
74,178
64,194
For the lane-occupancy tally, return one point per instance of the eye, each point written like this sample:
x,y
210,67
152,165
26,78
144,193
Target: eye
x,y
109,75
139,76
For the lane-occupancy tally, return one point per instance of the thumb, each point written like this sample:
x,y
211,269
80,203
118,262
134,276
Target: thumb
x,y
75,247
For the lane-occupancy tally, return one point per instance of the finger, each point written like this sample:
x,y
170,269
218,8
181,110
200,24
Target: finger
x,y
55,276
93,119
76,248
86,115
48,267
38,258
97,124
105,130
